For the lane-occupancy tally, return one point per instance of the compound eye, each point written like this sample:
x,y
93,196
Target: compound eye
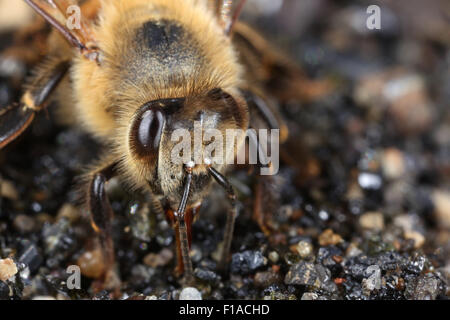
x,y
147,131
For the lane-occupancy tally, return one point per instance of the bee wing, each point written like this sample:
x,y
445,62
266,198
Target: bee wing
x,y
68,17
227,11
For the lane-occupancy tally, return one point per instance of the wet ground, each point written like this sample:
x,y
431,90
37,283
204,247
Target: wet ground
x,y
361,206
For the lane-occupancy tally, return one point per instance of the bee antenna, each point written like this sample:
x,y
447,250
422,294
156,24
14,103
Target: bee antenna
x,y
226,12
231,215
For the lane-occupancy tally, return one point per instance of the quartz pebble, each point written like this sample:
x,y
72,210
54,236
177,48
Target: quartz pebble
x,y
372,221
8,190
328,237
441,201
310,296
304,249
7,269
274,256
416,236
69,211
393,163
190,293
374,280
425,287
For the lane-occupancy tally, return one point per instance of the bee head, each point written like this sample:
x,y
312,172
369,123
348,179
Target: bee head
x,y
160,127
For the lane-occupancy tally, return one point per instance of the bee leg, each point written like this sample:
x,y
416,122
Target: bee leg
x,y
262,108
259,214
274,71
101,218
261,181
231,215
16,118
158,207
188,218
266,112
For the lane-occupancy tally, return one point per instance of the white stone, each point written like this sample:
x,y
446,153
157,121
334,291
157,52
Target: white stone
x,y
190,293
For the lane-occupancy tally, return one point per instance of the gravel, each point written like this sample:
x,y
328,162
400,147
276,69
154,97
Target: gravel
x,y
247,262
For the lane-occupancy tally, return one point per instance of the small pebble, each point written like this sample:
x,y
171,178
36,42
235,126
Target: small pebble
x,y
8,269
328,237
91,264
195,253
374,280
4,291
302,273
372,221
304,249
310,296
206,275
8,191
369,181
309,274
353,250
405,221
44,298
43,218
160,259
393,163
441,200
425,287
70,212
247,262
267,278
24,223
29,255
410,107
274,256
416,236
190,293
291,258
142,272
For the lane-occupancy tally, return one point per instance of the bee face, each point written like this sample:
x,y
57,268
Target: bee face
x,y
154,135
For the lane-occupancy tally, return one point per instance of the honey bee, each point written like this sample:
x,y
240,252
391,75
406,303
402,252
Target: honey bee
x,y
135,71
